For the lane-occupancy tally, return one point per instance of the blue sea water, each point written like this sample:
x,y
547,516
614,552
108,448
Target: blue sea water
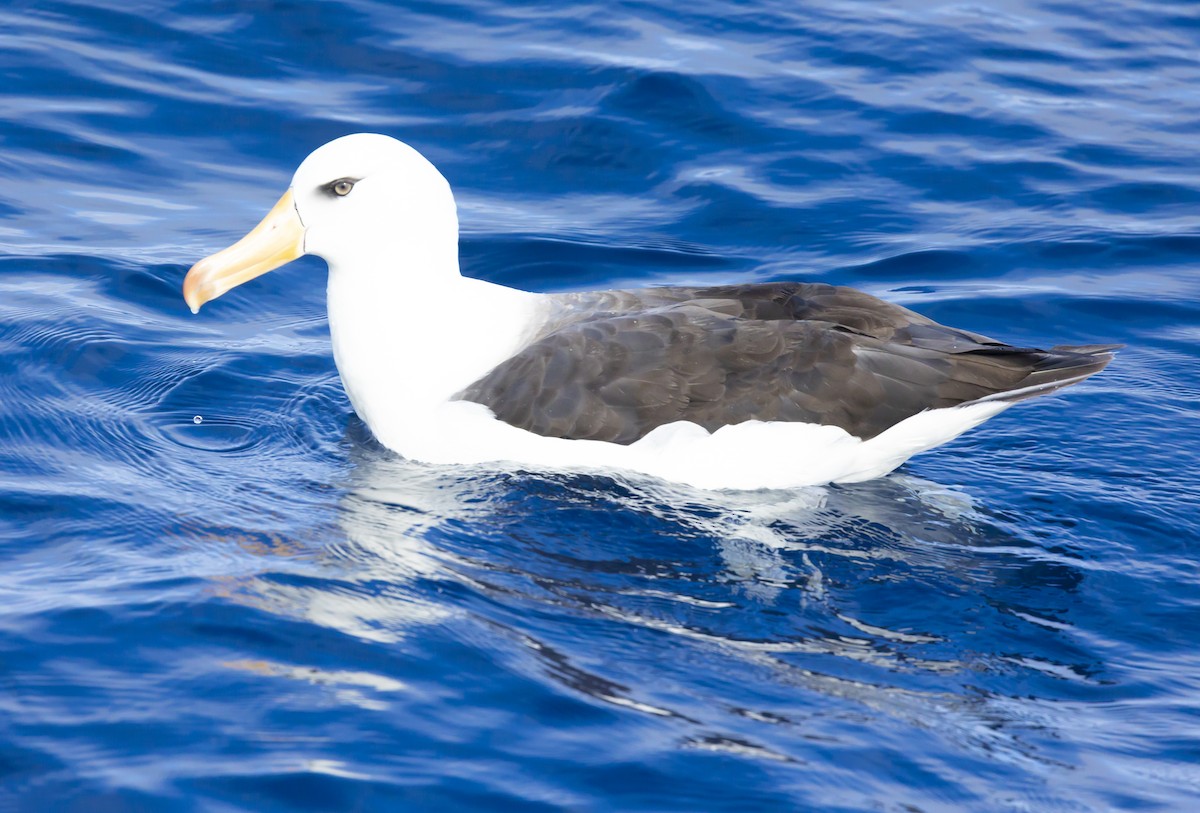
x,y
217,593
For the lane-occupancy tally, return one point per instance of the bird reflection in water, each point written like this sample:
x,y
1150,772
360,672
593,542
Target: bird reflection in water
x,y
726,613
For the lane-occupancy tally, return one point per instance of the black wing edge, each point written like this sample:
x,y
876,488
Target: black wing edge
x,y
1053,369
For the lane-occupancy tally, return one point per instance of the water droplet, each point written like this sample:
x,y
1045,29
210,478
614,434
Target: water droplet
x,y
197,419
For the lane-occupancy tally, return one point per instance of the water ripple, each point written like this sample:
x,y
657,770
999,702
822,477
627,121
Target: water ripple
x,y
263,610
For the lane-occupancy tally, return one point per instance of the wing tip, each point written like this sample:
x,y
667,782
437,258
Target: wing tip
x,y
1061,366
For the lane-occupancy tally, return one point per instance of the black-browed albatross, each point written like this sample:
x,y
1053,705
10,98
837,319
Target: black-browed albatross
x,y
737,386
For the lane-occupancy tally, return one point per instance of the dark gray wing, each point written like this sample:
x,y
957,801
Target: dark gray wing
x,y
615,365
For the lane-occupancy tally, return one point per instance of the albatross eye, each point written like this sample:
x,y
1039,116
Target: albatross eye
x,y
341,187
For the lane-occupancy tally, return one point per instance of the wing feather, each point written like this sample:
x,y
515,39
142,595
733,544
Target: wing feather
x,y
615,365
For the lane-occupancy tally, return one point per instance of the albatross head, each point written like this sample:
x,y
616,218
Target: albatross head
x,y
366,203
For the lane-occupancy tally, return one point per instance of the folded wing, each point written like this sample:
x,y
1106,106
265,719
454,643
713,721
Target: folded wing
x,y
616,365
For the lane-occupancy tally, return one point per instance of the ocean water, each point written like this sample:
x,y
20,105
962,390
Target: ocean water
x,y
217,593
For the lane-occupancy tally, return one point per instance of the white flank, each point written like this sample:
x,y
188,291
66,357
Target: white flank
x,y
750,455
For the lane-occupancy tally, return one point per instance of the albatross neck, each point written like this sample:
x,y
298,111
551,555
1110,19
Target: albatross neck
x,y
410,334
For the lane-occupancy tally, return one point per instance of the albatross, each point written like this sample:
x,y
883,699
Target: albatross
x,y
770,385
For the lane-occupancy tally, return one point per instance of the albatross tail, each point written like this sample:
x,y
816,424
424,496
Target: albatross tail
x,y
1047,371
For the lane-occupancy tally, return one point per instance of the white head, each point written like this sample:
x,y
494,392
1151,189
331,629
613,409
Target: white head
x,y
366,190
366,203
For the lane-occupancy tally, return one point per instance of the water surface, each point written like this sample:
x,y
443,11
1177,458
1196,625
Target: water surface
x,y
265,611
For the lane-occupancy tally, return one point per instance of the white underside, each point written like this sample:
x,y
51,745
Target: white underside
x,y
750,455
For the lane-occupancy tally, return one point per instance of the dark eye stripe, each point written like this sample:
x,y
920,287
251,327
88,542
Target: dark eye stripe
x,y
341,187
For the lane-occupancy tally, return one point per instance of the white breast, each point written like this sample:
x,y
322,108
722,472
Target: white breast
x,y
404,350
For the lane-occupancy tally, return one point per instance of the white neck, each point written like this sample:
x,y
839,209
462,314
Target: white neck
x,y
408,337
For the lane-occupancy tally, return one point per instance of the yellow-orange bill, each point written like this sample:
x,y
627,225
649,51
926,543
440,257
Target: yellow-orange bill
x,y
278,239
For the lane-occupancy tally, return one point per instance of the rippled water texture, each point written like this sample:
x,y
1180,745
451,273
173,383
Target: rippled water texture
x,y
265,611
